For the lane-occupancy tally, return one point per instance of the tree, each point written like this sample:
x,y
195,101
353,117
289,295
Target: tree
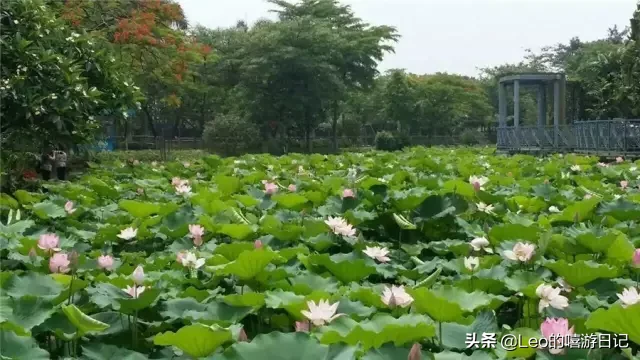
x,y
358,47
399,101
55,81
150,36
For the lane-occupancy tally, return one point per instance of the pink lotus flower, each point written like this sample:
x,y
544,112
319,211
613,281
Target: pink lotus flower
x,y
270,188
196,233
105,262
415,353
68,207
348,193
554,330
302,326
59,263
257,244
49,242
521,252
619,159
183,189
176,181
478,182
134,291
624,184
636,258
243,336
292,187
182,255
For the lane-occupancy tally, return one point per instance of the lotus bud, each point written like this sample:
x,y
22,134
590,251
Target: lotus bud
x,y
243,336
302,326
32,253
636,258
257,244
138,275
415,354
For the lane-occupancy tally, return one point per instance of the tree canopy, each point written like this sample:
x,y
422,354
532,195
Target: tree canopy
x,y
78,69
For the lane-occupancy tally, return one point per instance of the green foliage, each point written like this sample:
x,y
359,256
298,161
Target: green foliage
x,y
418,204
386,141
473,137
236,134
56,81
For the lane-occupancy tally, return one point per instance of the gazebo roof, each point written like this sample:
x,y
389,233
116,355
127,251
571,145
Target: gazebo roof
x,y
532,78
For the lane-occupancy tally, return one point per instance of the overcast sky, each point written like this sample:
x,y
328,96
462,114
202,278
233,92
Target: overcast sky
x,y
457,36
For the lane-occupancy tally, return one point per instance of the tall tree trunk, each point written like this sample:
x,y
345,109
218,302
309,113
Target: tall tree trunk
x,y
150,120
334,127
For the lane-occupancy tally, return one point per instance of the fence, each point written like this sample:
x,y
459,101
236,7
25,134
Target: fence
x,y
606,137
233,146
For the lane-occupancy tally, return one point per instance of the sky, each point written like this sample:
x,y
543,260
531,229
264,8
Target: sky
x,y
455,36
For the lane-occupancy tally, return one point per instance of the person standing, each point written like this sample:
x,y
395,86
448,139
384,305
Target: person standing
x,y
46,164
61,164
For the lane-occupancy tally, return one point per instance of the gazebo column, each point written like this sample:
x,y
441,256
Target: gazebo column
x,y
503,138
516,103
502,100
556,112
542,105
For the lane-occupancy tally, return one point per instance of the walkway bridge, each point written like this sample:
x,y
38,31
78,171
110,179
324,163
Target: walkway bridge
x,y
598,137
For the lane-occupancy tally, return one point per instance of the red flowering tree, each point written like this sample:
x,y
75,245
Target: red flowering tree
x,y
151,37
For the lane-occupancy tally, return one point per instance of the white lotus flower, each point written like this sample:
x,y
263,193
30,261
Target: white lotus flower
x,y
396,296
339,226
550,296
322,313
192,261
565,175
183,189
481,243
134,291
471,263
128,233
575,168
629,296
521,252
485,208
633,169
554,209
378,253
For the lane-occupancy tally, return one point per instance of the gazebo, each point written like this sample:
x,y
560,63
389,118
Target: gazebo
x,y
612,137
546,133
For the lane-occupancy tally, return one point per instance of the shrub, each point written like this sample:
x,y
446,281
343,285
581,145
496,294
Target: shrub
x,y
236,134
385,141
473,137
148,155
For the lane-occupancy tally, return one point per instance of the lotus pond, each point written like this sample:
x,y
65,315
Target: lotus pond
x,y
406,255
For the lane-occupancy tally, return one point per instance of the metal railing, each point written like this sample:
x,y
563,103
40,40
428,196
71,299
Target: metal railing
x,y
236,146
597,136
